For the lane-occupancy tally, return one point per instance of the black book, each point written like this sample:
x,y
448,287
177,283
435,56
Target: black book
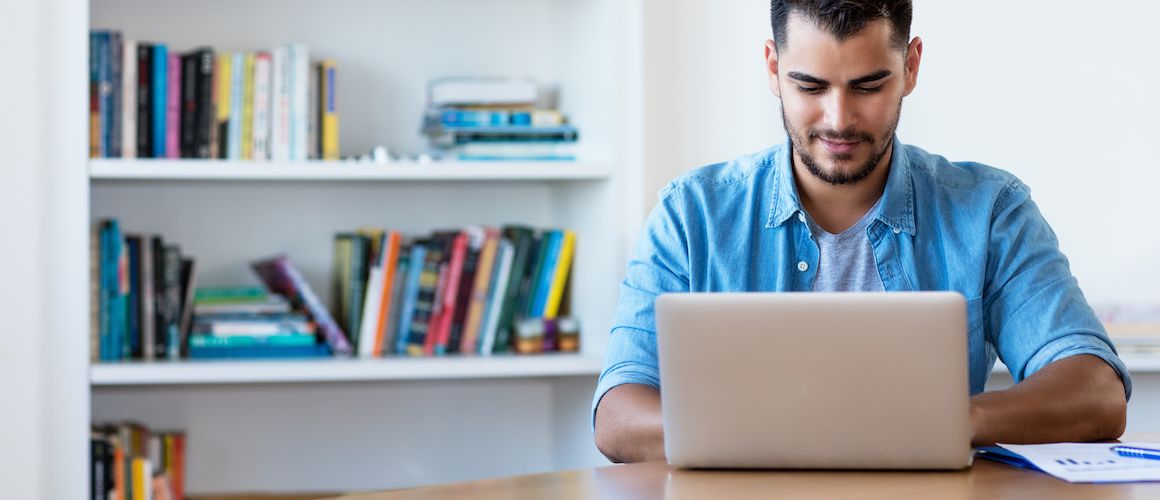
x,y
133,303
188,120
116,46
160,300
144,100
169,344
100,468
205,113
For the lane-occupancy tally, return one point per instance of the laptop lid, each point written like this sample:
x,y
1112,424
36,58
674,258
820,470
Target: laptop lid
x,y
814,380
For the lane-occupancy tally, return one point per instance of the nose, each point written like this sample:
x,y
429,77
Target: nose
x,y
839,112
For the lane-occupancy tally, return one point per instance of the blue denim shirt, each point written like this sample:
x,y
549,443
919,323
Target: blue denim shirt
x,y
959,226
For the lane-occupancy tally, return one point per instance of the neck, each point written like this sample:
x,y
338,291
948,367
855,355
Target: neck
x,y
838,207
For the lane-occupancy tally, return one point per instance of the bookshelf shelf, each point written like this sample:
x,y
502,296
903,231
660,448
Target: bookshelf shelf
x,y
224,170
341,370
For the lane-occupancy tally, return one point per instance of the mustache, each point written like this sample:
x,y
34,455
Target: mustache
x,y
845,136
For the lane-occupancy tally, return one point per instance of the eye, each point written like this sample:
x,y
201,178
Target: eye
x,y
869,90
809,90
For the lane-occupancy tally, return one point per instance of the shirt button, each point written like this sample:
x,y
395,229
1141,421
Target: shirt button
x,y
801,217
896,230
802,266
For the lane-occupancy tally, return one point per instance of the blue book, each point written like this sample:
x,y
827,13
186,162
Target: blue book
x,y
410,294
260,352
160,97
543,284
112,311
104,94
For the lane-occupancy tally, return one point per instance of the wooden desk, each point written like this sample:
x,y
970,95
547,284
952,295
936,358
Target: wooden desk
x,y
984,480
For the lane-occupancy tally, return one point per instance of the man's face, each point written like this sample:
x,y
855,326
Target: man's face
x,y
841,100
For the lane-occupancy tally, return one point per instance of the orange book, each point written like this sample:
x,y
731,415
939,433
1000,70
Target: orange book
x,y
119,471
477,301
390,264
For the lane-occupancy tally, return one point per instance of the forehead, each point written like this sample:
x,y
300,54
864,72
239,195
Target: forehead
x,y
814,50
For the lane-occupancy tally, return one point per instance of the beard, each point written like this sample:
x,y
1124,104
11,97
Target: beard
x,y
837,176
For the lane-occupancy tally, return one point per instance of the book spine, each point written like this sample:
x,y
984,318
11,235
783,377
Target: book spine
x,y
223,85
280,105
173,95
116,69
133,301
477,299
144,100
505,255
248,107
560,275
390,263
416,257
451,292
475,237
543,278
329,120
105,94
524,243
314,124
189,76
425,299
280,275
370,312
188,288
261,139
160,99
129,99
94,95
203,135
147,310
171,348
237,97
300,102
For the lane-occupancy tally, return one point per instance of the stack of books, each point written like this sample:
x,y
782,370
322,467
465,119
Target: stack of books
x,y
141,295
249,322
477,290
128,460
1132,327
494,120
146,101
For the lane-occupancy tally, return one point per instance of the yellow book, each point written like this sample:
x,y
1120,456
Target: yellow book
x,y
223,78
329,112
142,479
560,276
248,108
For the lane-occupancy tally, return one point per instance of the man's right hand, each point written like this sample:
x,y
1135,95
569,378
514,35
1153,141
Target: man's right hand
x,y
629,426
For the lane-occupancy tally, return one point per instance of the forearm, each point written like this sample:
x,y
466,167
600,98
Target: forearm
x,y
1077,399
629,426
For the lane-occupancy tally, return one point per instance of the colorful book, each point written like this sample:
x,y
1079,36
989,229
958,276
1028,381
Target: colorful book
x,y
223,88
402,272
160,87
389,265
449,293
173,97
416,259
476,237
280,275
247,151
328,70
542,277
476,302
560,275
524,243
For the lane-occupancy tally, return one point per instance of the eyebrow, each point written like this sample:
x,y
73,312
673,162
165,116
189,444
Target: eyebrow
x,y
878,75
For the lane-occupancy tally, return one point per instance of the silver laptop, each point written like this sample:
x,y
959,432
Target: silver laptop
x,y
815,380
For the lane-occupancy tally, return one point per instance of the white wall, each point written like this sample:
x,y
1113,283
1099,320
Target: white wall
x,y
1061,95
43,381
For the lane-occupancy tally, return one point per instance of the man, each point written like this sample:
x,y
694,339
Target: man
x,y
845,206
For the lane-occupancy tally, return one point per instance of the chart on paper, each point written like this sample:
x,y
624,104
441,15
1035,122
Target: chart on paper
x,y
1089,462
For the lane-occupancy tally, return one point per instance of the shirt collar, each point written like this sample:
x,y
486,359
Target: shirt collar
x,y
897,202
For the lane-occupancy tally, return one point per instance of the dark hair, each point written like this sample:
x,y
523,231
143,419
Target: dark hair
x,y
843,18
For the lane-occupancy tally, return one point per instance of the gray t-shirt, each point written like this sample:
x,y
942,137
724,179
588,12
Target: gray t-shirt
x,y
846,260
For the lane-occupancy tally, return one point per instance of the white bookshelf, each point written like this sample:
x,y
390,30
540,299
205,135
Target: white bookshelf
x,y
225,170
396,422
342,370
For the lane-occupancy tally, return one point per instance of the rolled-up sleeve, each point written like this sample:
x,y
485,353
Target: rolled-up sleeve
x,y
1035,311
659,265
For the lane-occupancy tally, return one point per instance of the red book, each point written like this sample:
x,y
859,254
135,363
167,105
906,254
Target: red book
x,y
450,293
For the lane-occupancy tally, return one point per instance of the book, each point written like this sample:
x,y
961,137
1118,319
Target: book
x,y
448,293
480,289
280,104
300,112
190,63
173,99
281,276
328,70
188,287
560,275
133,244
524,243
116,46
230,295
104,94
261,97
389,262
372,301
169,341
398,288
537,291
160,94
94,94
129,99
148,308
476,237
495,298
417,337
247,151
205,131
223,86
144,100
237,100
489,91
417,257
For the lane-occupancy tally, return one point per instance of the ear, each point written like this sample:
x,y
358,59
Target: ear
x,y
771,67
913,59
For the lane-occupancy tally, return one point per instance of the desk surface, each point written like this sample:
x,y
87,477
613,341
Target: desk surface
x,y
984,479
